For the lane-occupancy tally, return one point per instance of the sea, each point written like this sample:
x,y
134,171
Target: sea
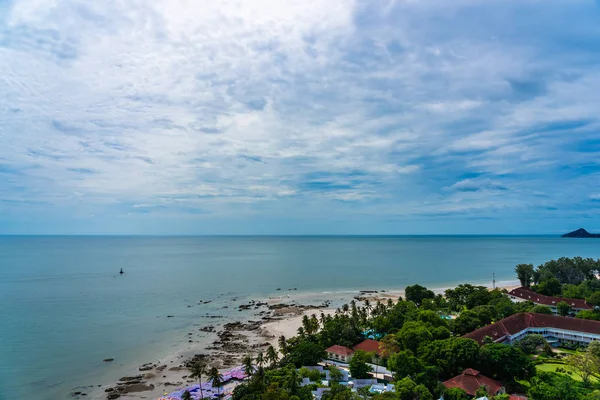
x,y
64,307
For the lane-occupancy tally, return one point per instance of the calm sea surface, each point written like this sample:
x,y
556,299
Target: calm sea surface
x,y
64,308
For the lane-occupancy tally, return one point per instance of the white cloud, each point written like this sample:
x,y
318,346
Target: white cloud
x,y
177,103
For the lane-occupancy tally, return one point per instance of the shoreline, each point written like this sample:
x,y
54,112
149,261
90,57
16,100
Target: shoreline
x,y
224,343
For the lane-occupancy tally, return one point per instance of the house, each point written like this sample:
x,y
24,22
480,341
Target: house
x,y
344,354
339,353
552,327
369,346
471,380
525,294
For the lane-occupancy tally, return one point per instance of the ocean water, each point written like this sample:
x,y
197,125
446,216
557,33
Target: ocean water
x,y
64,307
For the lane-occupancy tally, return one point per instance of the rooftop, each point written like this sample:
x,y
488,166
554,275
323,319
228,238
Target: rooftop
x,y
528,294
518,322
340,350
471,380
369,345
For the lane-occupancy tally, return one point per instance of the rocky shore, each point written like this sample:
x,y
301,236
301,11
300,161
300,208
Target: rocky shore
x,y
223,346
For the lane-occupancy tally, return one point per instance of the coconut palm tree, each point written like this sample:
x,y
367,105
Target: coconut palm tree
x,y
272,356
345,308
197,369
217,379
282,344
247,365
291,383
260,360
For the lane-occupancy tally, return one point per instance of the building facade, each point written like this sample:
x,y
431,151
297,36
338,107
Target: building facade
x,y
524,294
555,329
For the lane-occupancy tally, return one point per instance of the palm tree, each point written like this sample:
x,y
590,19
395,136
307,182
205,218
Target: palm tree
x,y
196,371
282,345
247,365
260,359
272,356
291,383
217,379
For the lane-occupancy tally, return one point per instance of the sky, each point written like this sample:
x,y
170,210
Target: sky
x,y
299,117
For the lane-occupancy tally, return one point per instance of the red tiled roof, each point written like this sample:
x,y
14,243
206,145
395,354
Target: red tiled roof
x,y
518,322
470,380
528,294
340,350
369,345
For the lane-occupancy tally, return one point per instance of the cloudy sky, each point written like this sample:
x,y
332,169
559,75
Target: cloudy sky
x,y
299,117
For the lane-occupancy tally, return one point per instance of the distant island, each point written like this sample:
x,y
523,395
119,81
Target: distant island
x,y
581,233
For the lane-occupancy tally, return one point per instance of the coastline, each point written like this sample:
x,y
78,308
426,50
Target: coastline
x,y
224,343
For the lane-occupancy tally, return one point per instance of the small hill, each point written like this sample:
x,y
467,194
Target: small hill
x,y
581,233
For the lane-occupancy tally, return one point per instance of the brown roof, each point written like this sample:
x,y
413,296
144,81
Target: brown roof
x,y
528,294
340,350
471,380
369,345
518,322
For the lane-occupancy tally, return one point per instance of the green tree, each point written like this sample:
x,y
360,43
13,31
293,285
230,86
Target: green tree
x,y
594,349
305,353
422,393
417,293
466,322
451,356
282,345
588,314
504,362
358,365
594,299
260,359
197,369
413,334
186,395
529,343
481,392
272,356
525,274
292,381
550,287
455,394
563,308
337,392
585,364
404,364
553,386
405,388
247,365
335,374
541,309
217,379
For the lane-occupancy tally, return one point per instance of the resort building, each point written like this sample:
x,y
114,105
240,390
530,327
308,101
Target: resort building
x,y
471,380
555,329
524,294
344,354
339,353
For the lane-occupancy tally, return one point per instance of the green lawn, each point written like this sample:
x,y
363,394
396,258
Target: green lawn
x,y
547,367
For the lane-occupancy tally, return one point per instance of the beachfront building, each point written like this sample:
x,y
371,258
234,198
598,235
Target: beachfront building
x,y
471,380
555,329
370,346
524,294
344,354
339,353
